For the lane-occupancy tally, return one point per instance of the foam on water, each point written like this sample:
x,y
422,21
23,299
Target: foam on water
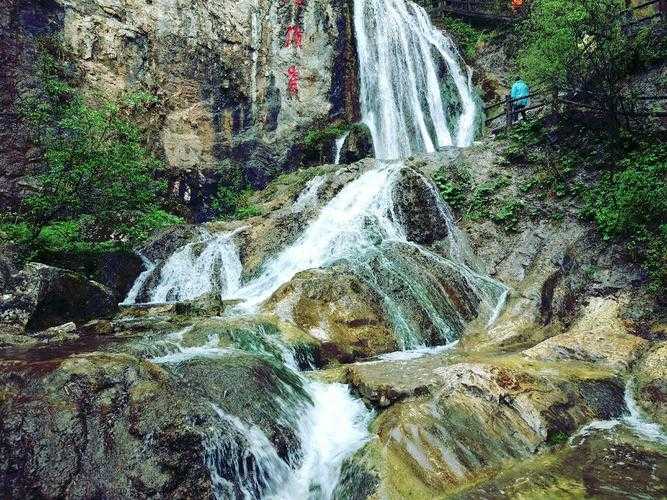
x,y
331,430
420,352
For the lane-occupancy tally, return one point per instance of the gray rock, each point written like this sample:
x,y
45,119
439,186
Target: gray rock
x,y
417,205
163,244
358,144
44,296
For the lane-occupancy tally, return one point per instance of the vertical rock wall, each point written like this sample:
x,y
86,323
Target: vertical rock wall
x,y
218,67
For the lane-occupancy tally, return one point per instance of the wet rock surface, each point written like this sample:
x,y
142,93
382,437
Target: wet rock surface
x,y
132,400
651,374
599,336
338,309
467,417
76,421
99,422
358,144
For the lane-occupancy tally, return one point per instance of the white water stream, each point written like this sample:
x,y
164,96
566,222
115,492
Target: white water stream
x,y
340,142
403,61
634,420
401,91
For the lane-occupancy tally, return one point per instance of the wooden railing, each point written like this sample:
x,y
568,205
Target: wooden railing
x,y
557,100
491,9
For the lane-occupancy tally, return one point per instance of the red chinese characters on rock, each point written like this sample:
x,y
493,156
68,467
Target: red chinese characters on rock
x,y
293,80
294,36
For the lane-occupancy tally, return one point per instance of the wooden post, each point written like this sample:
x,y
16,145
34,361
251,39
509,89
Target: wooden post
x,y
509,116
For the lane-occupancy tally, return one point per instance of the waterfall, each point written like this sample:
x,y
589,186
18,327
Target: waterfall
x,y
401,96
403,61
210,264
338,147
308,197
149,267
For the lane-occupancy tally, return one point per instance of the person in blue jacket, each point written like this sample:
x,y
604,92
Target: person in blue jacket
x,y
520,100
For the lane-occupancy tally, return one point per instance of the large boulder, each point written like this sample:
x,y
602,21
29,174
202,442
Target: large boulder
x,y
118,270
419,208
651,373
357,145
111,424
98,422
45,296
260,393
593,467
338,309
599,336
166,242
470,417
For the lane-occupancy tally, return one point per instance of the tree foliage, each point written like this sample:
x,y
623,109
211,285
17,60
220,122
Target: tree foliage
x,y
631,204
98,187
584,48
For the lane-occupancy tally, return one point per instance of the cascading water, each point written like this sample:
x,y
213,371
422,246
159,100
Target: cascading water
x,y
634,420
338,147
401,92
402,62
200,267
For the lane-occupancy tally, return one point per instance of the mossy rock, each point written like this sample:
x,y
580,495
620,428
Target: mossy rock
x,y
358,144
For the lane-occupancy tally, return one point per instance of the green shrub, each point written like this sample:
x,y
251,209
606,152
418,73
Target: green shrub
x,y
556,438
466,36
581,45
631,205
454,193
231,204
482,200
15,232
97,189
508,214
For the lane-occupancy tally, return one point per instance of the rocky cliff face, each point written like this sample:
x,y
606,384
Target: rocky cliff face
x,y
218,67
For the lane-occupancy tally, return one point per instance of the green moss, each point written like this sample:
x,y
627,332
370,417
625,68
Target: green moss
x,y
318,144
556,438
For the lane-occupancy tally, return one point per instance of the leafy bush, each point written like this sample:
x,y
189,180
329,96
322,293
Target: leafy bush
x,y
631,205
466,36
98,189
15,232
481,203
508,214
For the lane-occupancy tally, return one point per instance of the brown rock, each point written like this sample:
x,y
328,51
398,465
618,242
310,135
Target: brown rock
x,y
96,327
600,336
338,309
